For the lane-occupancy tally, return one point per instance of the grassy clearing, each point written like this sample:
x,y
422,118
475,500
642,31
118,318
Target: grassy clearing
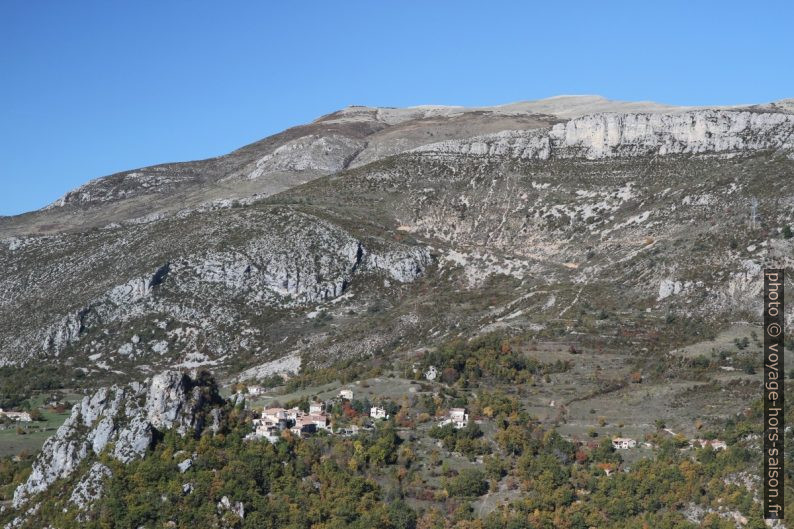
x,y
30,436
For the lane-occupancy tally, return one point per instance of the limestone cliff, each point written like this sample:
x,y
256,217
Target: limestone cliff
x,y
123,421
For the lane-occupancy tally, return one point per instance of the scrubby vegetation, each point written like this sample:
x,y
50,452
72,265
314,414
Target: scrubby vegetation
x,y
488,357
18,385
391,477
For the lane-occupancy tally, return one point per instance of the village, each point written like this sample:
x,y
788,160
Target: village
x,y
275,422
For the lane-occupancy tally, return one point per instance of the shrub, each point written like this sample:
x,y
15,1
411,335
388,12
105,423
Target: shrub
x,y
470,482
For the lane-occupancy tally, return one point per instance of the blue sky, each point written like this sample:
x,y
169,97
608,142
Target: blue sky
x,y
91,88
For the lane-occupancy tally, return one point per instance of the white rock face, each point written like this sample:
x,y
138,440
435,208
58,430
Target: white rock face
x,y
288,365
401,265
288,271
226,505
185,465
63,332
670,287
612,135
126,416
131,291
89,488
307,261
13,243
121,186
325,154
606,135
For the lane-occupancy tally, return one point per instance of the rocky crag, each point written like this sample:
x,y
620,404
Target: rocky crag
x,y
122,422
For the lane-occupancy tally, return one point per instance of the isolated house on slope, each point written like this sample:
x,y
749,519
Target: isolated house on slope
x,y
19,416
457,417
377,412
623,443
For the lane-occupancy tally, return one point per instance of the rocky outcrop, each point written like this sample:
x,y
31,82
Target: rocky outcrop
x,y
289,270
64,332
706,131
614,135
324,154
89,488
280,259
237,508
403,265
128,418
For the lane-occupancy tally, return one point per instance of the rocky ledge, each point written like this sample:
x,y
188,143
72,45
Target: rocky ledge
x,y
125,421
610,135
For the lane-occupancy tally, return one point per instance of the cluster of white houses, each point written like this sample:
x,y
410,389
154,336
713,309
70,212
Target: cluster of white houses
x,y
275,420
20,416
625,443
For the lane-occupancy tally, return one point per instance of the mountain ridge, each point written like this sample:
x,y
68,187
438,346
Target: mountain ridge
x,y
350,137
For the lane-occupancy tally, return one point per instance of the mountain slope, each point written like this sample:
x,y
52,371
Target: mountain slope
x,y
380,252
620,241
